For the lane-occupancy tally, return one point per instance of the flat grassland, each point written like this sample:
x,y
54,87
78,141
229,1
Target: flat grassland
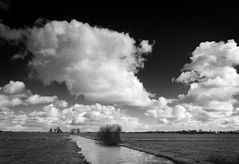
x,y
185,148
21,147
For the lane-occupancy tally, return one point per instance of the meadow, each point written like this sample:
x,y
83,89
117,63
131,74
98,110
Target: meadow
x,y
180,148
21,147
185,148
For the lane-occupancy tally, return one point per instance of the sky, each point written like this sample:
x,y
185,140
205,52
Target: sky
x,y
145,66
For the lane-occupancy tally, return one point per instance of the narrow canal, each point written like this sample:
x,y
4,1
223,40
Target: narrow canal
x,y
100,154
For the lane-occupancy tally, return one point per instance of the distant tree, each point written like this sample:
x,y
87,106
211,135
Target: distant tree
x,y
72,131
77,131
58,130
110,134
50,131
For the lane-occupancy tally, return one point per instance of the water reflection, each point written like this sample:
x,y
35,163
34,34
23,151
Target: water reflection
x,y
100,154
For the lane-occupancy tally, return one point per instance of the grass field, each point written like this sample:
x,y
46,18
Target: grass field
x,y
185,148
17,148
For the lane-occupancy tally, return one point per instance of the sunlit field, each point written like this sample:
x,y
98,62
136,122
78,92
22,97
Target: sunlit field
x,y
185,148
16,148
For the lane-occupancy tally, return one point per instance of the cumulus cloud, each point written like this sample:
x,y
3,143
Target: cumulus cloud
x,y
14,87
85,116
98,63
37,99
102,64
168,113
19,122
212,77
94,115
213,86
15,93
11,34
177,115
10,101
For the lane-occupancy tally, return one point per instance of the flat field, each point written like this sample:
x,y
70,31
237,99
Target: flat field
x,y
21,147
185,148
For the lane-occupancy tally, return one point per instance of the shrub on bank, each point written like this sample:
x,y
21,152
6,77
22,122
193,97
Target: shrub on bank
x,y
110,134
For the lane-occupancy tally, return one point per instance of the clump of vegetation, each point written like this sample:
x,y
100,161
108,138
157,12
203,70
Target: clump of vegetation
x,y
56,130
51,131
110,134
75,131
222,160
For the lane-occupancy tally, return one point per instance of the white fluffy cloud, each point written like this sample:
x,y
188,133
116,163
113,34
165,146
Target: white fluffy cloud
x,y
213,86
102,64
79,115
168,114
95,62
93,115
14,87
37,99
15,93
176,115
213,78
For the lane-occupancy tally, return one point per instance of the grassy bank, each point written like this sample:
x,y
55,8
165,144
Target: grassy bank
x,y
184,148
38,148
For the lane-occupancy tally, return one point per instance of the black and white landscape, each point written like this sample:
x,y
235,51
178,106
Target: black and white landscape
x,y
158,80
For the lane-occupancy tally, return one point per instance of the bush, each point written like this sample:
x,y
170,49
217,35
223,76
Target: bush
x,y
57,130
110,134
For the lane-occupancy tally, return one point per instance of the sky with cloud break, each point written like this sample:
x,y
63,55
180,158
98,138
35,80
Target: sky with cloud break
x,y
145,66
